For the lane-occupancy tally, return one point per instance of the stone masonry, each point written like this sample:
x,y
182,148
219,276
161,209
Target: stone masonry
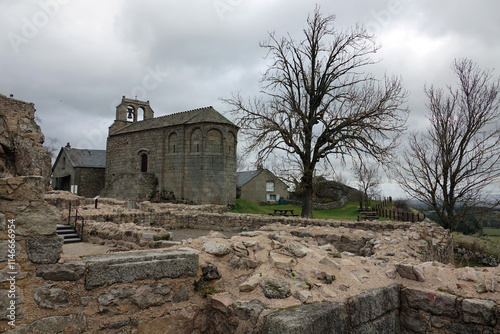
x,y
188,156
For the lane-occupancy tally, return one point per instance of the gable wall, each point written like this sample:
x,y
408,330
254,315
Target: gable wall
x,y
255,189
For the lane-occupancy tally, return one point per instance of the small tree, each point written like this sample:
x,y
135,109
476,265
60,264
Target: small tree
x,y
368,180
320,102
452,165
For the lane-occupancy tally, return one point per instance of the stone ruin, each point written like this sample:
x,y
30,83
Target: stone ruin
x,y
273,275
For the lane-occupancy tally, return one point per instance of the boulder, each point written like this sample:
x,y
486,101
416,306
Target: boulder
x,y
216,248
49,297
275,289
44,250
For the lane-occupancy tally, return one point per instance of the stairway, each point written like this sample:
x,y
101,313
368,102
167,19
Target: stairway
x,y
68,233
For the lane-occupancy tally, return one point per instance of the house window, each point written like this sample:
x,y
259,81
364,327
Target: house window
x,y
64,163
144,163
272,198
270,186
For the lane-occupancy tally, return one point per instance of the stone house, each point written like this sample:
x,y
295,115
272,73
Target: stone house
x,y
188,156
80,171
260,186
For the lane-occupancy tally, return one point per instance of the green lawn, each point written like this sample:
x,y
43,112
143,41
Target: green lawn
x,y
491,231
347,212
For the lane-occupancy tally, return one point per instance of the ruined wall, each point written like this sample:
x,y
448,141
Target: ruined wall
x,y
91,181
21,150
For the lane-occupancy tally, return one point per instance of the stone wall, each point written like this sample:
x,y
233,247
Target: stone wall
x,y
91,181
21,150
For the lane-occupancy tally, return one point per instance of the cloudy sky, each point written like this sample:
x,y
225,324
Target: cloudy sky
x,y
75,59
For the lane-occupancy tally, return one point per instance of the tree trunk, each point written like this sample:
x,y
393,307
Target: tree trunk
x,y
307,204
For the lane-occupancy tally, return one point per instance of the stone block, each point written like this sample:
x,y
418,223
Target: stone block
x,y
130,267
387,324
325,317
49,297
73,323
4,250
68,271
374,303
479,311
44,250
22,188
430,301
275,289
37,218
3,222
7,311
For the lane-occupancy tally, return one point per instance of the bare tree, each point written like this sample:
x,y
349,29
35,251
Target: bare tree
x,y
319,102
368,180
451,166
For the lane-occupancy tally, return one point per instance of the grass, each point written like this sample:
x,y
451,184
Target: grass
x,y
478,244
348,212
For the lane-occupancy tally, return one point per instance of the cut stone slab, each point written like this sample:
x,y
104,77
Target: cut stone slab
x,y
297,250
325,317
251,283
130,267
479,311
434,302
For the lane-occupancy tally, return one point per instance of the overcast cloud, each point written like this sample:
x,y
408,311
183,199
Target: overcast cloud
x,y
75,59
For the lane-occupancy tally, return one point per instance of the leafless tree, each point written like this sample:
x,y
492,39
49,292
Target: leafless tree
x,y
368,180
319,103
451,166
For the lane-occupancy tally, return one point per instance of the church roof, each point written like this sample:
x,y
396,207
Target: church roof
x,y
200,115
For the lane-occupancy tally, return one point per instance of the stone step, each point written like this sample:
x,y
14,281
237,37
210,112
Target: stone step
x,y
68,233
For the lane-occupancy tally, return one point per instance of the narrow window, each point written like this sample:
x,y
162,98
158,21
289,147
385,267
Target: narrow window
x,y
144,163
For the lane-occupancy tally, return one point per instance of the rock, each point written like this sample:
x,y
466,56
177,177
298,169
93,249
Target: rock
x,y
68,271
322,276
479,311
277,238
119,301
163,244
249,234
275,289
325,317
22,188
360,276
7,272
6,311
210,272
52,298
250,284
73,323
297,250
4,250
281,261
37,218
221,302
373,303
238,262
329,262
215,248
130,267
181,322
3,224
481,288
240,249
44,250
182,295
328,248
410,271
250,244
391,273
431,301
469,274
248,310
216,235
303,295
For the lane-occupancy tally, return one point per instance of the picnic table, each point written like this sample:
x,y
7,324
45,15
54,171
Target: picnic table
x,y
283,212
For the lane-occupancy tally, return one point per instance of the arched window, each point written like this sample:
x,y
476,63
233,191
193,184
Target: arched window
x,y
144,163
196,141
172,143
214,141
140,114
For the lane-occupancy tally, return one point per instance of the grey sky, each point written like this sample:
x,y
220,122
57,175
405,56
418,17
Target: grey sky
x,y
75,58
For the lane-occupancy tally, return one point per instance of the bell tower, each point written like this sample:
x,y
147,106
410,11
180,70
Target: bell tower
x,y
131,111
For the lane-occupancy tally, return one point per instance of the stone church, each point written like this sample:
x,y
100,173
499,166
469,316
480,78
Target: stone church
x,y
188,156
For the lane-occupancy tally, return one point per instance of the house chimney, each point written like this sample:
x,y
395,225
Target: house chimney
x,y
68,145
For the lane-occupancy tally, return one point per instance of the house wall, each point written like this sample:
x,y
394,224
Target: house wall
x,y
62,169
197,163
90,181
255,190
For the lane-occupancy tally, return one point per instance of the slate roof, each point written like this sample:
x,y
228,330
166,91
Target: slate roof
x,y
84,158
200,115
243,178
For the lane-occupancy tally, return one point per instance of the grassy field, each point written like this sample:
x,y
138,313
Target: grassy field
x,y
347,212
493,234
